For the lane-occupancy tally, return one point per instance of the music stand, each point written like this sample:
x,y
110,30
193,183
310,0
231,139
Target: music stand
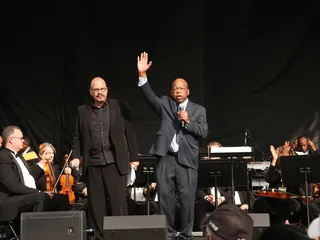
x,y
145,174
219,173
234,154
297,170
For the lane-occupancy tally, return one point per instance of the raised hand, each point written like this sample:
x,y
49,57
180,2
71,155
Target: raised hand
x,y
142,64
311,144
274,152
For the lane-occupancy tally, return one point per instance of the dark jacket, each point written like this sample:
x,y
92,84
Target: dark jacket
x,y
197,129
11,178
122,135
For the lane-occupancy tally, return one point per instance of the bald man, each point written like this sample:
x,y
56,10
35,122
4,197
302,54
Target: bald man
x,y
105,138
182,124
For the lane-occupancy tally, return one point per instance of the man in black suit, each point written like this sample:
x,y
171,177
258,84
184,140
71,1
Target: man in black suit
x,y
105,139
17,181
182,124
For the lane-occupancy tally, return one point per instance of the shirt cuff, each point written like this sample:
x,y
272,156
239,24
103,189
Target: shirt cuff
x,y
142,81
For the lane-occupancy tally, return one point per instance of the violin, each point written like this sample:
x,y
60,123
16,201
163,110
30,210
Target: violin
x,y
50,177
275,194
66,182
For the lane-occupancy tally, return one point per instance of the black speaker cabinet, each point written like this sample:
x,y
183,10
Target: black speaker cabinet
x,y
261,221
135,227
66,225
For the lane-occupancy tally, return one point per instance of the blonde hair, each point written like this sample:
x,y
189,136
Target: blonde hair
x,y
42,147
214,143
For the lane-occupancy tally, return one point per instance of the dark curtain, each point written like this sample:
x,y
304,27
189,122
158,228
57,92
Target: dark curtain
x,y
252,64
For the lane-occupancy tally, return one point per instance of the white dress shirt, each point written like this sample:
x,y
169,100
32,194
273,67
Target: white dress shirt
x,y
27,177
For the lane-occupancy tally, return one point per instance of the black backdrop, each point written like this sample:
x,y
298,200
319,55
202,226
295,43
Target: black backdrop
x,y
252,64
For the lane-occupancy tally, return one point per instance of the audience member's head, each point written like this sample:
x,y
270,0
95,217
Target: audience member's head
x,y
228,222
283,231
12,138
1,141
314,229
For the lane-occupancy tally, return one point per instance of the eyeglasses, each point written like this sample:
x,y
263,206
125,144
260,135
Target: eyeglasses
x,y
96,90
21,138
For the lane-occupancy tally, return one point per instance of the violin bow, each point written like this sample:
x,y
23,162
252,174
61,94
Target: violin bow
x,y
64,166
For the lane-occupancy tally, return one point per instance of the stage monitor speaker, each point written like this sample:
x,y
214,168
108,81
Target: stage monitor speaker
x,y
135,227
64,225
261,221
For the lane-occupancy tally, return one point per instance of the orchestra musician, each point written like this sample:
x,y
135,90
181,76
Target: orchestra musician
x,y
279,208
58,202
17,180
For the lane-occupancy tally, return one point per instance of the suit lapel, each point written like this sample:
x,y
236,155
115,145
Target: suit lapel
x,y
17,166
190,108
112,111
89,117
174,108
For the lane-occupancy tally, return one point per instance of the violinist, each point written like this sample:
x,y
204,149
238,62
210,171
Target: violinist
x,y
59,202
280,208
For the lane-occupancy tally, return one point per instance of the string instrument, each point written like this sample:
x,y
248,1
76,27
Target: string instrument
x,y
66,181
274,193
50,177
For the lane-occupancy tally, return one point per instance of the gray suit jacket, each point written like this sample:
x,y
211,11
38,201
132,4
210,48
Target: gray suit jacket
x,y
197,128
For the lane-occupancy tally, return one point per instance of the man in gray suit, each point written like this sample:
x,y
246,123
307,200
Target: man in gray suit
x,y
182,124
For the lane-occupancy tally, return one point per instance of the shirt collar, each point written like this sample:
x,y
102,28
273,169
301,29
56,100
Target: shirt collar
x,y
184,104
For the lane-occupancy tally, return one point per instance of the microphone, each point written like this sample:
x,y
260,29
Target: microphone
x,y
245,137
181,121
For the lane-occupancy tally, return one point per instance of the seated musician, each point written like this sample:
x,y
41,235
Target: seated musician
x,y
205,200
17,180
280,208
304,146
59,202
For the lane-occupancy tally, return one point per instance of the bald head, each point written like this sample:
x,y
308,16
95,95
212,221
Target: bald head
x,y
97,81
180,90
180,81
98,90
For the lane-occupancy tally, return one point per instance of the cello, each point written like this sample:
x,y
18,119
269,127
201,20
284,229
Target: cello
x,y
66,182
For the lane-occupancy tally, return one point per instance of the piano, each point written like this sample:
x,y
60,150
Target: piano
x,y
241,151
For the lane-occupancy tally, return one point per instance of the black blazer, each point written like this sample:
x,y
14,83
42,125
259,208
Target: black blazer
x,y
122,135
11,178
166,109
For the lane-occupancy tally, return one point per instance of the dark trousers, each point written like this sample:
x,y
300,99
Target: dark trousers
x,y
177,181
105,183
31,202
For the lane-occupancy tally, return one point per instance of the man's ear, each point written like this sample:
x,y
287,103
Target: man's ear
x,y
188,92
